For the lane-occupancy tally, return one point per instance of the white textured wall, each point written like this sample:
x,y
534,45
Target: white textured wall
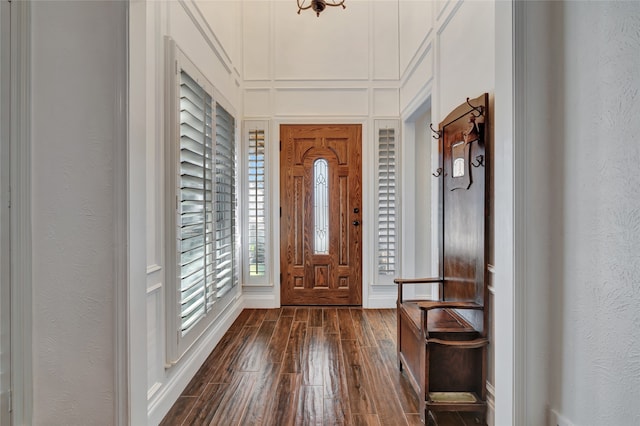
x,y
78,57
595,292
582,212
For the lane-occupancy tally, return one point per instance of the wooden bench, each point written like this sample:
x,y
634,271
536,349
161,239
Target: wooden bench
x,y
442,354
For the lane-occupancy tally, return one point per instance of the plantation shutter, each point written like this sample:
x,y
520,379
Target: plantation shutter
x,y
225,222
194,231
256,206
201,246
387,155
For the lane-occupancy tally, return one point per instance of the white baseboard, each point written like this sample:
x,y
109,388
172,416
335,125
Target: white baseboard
x,y
181,374
557,419
259,301
381,302
269,301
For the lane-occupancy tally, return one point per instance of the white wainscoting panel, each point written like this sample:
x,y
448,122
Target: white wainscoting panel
x,y
416,85
155,339
256,40
222,19
385,102
321,102
180,374
458,51
257,102
200,45
385,38
154,95
208,33
334,46
417,21
441,7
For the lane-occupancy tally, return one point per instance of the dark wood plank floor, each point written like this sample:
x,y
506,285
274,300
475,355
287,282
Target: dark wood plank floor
x,y
304,366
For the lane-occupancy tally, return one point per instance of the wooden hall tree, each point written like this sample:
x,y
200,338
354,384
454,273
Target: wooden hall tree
x,y
442,343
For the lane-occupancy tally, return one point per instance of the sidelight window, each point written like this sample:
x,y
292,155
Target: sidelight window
x,y
256,202
387,200
255,215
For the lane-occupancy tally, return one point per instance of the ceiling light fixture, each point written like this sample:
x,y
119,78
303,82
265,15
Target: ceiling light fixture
x,y
318,5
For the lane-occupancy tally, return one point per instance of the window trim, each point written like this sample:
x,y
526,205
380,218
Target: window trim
x,y
177,344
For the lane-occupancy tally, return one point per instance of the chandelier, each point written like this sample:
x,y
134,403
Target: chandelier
x,y
318,5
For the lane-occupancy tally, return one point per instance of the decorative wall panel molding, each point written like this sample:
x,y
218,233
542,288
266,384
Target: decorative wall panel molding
x,y
321,102
309,48
189,30
385,102
417,23
417,84
175,380
256,40
455,47
257,102
385,38
155,338
441,7
200,22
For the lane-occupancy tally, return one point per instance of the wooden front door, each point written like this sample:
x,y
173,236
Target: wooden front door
x,y
321,214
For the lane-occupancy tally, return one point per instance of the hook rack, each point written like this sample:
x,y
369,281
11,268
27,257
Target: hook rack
x,y
438,171
479,161
438,133
479,110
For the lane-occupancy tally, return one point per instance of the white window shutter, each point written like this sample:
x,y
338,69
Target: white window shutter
x,y
201,205
255,228
225,200
387,199
194,200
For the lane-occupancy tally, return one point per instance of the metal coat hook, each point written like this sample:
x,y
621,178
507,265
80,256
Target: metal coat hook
x,y
479,161
437,132
438,172
479,109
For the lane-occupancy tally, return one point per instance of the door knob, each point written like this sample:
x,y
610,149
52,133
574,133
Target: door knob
x,y
356,222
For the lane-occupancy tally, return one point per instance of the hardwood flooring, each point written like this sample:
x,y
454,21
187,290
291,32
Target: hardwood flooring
x,y
304,366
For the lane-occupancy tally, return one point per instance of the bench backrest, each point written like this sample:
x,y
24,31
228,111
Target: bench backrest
x,y
465,204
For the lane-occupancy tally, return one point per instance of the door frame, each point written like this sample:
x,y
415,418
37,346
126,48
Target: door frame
x,y
367,197
20,215
5,222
